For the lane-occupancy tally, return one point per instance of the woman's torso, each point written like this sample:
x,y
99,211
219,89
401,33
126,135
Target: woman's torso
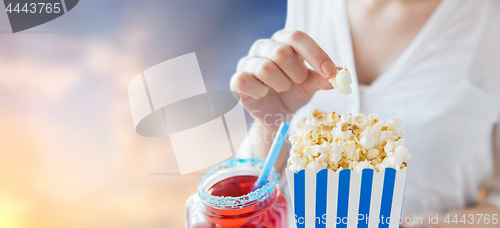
x,y
382,30
441,86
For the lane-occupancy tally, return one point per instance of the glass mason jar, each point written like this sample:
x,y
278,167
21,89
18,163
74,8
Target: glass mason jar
x,y
264,207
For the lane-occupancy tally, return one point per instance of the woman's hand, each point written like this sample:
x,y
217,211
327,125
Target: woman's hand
x,y
273,79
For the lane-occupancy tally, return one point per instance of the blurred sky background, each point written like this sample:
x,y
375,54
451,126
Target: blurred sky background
x,y
69,154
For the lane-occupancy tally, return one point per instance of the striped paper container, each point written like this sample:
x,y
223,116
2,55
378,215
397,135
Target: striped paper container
x,y
347,199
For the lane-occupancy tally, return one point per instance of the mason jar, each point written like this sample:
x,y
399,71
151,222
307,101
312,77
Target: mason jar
x,y
225,199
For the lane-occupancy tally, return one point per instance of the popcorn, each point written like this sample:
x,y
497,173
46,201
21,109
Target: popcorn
x,y
342,82
295,159
395,125
314,166
335,154
403,151
362,165
340,141
295,168
372,153
367,141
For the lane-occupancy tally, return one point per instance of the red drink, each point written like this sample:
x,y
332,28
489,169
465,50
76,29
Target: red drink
x,y
230,202
233,186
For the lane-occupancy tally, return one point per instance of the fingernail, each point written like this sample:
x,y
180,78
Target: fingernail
x,y
328,68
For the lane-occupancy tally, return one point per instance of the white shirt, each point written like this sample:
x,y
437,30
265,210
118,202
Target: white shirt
x,y
445,87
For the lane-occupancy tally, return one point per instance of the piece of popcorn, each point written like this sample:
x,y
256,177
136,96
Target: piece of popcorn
x,y
322,157
396,125
333,118
381,166
341,135
384,135
335,154
372,119
323,164
296,159
392,145
372,153
367,141
315,150
350,150
314,166
360,119
395,161
342,82
362,165
403,151
295,168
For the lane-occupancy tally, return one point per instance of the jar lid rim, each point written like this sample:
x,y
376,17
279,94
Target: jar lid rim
x,y
240,201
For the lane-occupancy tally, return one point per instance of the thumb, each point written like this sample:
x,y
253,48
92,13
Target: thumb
x,y
315,82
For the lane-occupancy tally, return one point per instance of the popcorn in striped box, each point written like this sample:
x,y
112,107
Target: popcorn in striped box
x,y
347,171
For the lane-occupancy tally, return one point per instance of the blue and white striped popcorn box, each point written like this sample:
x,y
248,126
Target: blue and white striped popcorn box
x,y
347,199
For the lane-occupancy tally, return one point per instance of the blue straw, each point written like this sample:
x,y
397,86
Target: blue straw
x,y
272,155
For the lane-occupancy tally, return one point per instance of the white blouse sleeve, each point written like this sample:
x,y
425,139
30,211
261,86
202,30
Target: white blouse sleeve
x,y
245,149
294,20
488,78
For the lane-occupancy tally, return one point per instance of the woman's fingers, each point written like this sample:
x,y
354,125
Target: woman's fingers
x,y
245,83
309,50
266,71
284,56
278,63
